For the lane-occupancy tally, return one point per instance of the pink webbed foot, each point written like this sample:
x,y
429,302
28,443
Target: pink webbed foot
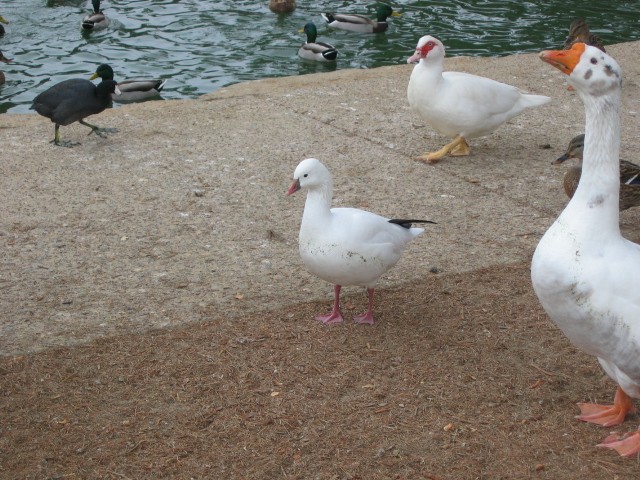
x,y
366,317
333,317
626,445
336,315
607,415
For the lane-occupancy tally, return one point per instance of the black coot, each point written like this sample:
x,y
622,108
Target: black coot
x,y
72,101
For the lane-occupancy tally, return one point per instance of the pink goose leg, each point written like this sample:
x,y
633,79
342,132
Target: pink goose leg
x,y
366,317
336,315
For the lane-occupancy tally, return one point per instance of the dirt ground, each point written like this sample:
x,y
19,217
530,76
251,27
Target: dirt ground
x,y
156,320
465,378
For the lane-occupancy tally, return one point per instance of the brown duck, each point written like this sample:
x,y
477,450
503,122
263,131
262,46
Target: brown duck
x,y
579,32
629,175
5,60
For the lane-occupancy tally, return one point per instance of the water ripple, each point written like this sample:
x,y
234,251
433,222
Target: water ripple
x,y
204,45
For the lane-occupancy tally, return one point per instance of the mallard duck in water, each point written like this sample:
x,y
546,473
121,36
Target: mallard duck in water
x,y
360,23
5,21
282,6
629,175
72,101
5,60
579,33
135,90
316,51
96,20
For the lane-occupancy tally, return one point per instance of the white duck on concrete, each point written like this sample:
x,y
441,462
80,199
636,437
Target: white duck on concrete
x,y
460,105
346,246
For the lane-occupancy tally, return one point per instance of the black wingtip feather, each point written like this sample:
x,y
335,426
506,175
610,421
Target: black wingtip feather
x,y
408,223
328,17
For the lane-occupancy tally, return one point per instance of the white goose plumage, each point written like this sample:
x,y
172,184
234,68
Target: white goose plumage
x,y
460,105
584,272
345,246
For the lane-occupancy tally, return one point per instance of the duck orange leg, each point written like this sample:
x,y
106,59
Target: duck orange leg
x,y
457,147
462,149
607,415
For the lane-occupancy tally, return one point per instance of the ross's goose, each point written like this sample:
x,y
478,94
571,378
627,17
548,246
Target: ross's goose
x,y
360,23
585,274
629,175
345,246
313,50
459,105
96,20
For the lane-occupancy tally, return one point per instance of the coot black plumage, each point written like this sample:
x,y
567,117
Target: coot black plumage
x,y
73,100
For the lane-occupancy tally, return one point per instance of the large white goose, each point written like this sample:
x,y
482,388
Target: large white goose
x,y
459,105
584,272
345,246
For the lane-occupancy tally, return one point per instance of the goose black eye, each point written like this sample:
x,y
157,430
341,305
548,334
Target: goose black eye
x,y
305,175
594,61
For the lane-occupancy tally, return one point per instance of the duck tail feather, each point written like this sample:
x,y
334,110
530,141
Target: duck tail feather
x,y
408,223
328,17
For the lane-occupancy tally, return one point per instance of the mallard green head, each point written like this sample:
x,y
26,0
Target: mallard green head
x,y
104,71
311,31
2,20
384,11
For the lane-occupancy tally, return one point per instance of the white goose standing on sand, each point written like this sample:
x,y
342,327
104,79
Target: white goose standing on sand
x,y
345,246
584,272
460,105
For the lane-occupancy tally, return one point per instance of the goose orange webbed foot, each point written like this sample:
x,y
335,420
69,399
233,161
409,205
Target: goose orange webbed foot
x,y
607,415
626,445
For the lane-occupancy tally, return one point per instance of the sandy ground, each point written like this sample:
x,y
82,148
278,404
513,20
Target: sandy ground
x,y
155,314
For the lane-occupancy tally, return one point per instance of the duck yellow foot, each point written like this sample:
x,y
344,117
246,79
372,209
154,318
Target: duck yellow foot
x,y
626,445
457,147
462,149
607,415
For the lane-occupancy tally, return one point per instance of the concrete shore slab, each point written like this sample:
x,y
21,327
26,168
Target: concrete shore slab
x,y
183,211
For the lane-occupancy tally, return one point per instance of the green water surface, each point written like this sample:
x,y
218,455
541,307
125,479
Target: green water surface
x,y
202,45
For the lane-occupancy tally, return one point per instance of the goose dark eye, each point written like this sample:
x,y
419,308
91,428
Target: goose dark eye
x,y
594,61
305,175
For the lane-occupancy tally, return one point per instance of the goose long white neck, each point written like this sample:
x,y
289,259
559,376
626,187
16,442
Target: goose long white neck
x,y
317,207
599,188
